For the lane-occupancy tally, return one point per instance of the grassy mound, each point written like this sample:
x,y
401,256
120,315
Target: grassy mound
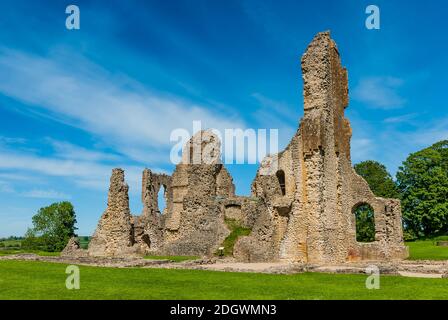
x,y
236,231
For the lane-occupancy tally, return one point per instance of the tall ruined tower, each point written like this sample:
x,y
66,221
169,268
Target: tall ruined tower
x,y
114,234
310,210
325,136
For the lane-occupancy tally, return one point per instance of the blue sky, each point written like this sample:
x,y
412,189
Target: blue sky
x,y
75,104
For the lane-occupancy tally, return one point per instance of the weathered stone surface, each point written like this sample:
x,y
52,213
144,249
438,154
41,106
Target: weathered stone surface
x,y
72,245
195,224
73,249
313,221
114,234
303,199
149,226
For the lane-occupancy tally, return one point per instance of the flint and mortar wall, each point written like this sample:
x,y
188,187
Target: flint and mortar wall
x,y
314,221
302,203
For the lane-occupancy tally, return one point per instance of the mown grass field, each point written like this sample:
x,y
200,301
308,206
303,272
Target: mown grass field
x,y
426,250
40,280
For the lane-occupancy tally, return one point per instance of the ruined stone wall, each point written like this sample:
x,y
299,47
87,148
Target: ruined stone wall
x,y
302,199
314,220
242,209
195,224
325,101
388,242
224,184
201,226
148,227
114,234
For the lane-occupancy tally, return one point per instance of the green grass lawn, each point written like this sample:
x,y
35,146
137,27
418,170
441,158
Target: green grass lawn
x,y
427,250
41,280
84,241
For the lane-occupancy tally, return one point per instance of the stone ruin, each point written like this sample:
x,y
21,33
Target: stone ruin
x,y
302,202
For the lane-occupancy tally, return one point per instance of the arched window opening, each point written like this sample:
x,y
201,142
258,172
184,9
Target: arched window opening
x,y
365,223
161,199
281,180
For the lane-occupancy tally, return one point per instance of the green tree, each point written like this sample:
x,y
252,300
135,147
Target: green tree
x,y
52,227
423,183
365,223
379,180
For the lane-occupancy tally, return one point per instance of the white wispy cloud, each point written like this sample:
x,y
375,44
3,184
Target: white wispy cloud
x,y
361,149
67,150
273,114
277,108
428,133
46,194
5,187
379,92
122,112
391,146
85,174
401,119
48,166
11,140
